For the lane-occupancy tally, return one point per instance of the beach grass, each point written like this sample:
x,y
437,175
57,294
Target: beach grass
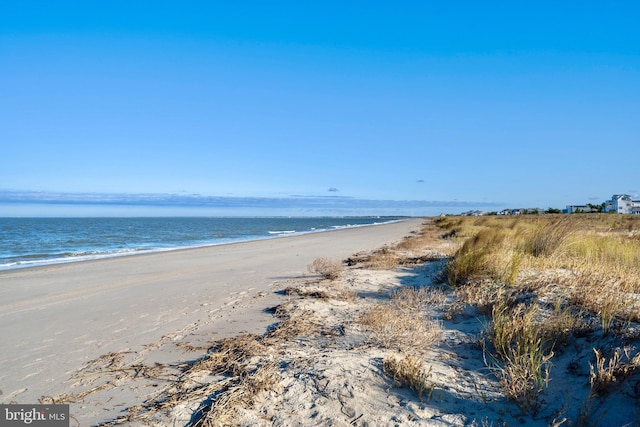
x,y
542,279
409,371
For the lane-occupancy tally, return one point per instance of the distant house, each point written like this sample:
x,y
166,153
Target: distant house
x,y
622,204
473,213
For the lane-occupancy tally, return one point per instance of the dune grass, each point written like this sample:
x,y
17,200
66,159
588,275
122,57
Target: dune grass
x,y
522,352
409,371
502,250
540,279
401,324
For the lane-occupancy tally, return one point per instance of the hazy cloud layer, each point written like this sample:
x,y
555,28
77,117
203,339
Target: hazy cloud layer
x,y
180,200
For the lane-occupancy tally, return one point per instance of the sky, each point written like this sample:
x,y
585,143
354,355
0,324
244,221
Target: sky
x,y
313,108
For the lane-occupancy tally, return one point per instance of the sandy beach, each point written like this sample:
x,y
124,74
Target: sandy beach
x,y
56,319
354,327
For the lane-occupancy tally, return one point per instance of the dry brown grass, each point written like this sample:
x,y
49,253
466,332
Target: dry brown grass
x,y
384,259
327,268
240,393
547,237
391,331
242,367
409,371
323,290
413,298
522,352
608,372
604,261
229,355
402,323
482,294
294,322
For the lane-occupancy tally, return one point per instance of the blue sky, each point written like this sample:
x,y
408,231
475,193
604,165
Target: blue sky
x,y
372,107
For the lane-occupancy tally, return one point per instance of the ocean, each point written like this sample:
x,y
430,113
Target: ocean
x,y
28,242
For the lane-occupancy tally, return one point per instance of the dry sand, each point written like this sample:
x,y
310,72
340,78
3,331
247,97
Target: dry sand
x,y
55,320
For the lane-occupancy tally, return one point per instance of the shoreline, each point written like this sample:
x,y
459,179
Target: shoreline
x,y
138,252
57,318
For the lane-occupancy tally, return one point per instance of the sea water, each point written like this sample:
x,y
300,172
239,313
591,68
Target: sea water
x,y
27,242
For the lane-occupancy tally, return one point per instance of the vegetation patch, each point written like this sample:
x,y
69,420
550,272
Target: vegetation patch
x,y
521,352
327,268
409,372
544,282
403,323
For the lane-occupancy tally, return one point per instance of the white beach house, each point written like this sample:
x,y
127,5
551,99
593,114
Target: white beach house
x,y
622,204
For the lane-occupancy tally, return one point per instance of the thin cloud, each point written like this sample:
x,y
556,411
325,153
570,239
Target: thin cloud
x,y
181,200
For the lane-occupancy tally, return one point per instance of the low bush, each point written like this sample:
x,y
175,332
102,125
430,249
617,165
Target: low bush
x,y
327,268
